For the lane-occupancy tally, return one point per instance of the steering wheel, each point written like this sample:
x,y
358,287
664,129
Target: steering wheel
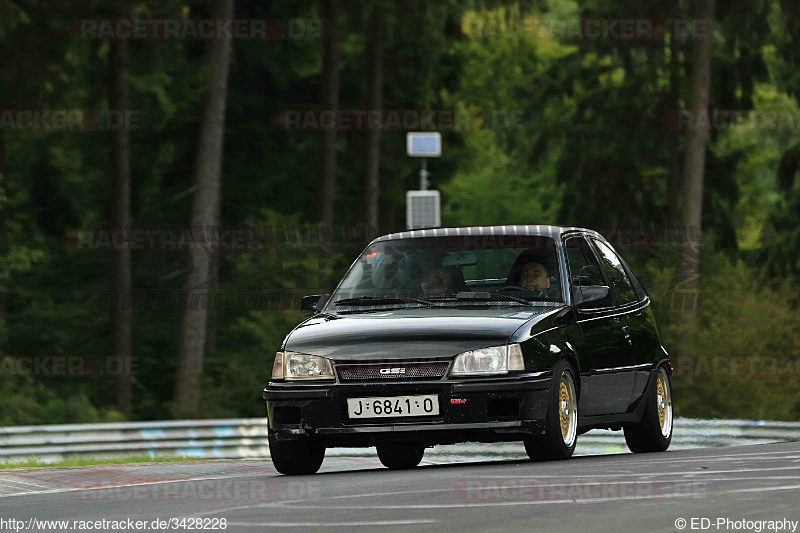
x,y
517,288
514,288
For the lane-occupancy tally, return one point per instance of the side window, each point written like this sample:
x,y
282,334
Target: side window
x,y
583,268
641,294
621,285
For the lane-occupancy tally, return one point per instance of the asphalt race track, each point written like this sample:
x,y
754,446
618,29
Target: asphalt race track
x,y
621,492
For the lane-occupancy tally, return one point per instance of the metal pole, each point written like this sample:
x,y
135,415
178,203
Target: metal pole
x,y
423,175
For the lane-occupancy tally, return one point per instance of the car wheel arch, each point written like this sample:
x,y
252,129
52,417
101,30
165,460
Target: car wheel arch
x,y
573,363
667,366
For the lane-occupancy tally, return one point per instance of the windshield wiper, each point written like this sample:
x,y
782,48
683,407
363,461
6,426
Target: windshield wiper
x,y
467,296
377,300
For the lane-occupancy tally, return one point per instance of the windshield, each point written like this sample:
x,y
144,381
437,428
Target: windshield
x,y
497,269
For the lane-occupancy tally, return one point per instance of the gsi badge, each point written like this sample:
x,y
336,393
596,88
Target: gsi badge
x,y
392,371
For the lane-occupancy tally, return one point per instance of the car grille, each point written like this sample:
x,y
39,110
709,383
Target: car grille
x,y
410,370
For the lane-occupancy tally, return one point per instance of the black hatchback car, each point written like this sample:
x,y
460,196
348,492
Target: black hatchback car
x,y
510,333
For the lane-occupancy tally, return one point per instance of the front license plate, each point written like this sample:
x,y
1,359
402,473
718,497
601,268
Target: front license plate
x,y
393,406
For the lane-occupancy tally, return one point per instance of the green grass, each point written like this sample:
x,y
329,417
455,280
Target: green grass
x,y
90,462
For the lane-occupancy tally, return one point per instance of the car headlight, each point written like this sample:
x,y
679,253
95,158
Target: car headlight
x,y
292,365
493,360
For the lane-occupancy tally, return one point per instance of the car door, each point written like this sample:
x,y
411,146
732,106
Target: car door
x,y
647,349
627,317
602,332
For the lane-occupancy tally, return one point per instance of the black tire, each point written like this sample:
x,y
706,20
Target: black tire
x,y
654,432
400,456
554,444
296,457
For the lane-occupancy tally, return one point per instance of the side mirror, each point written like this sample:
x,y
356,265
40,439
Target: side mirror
x,y
312,304
588,288
589,296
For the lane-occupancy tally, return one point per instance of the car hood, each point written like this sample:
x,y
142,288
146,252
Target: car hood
x,y
406,333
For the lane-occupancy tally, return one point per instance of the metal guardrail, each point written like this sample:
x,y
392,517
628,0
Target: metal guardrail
x,y
213,439
247,437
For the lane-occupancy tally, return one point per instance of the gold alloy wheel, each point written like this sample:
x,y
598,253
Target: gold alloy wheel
x,y
567,408
563,413
664,403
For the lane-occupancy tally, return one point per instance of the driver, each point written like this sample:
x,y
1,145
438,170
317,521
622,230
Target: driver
x,y
534,277
530,272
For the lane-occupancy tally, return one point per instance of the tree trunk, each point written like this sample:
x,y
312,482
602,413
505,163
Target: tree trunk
x,y
213,275
120,216
3,297
374,102
694,170
672,134
330,101
207,185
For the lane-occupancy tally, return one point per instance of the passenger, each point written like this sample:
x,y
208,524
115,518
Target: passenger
x,y
438,282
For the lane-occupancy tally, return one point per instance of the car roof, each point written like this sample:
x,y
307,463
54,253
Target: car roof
x,y
526,230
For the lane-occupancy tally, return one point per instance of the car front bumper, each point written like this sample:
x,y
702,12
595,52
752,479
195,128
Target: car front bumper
x,y
485,410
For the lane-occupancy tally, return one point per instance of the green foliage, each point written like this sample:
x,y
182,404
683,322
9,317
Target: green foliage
x,y
493,188
744,318
11,15
29,401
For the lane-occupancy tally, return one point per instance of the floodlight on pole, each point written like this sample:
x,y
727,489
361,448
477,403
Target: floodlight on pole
x,y
424,144
423,206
